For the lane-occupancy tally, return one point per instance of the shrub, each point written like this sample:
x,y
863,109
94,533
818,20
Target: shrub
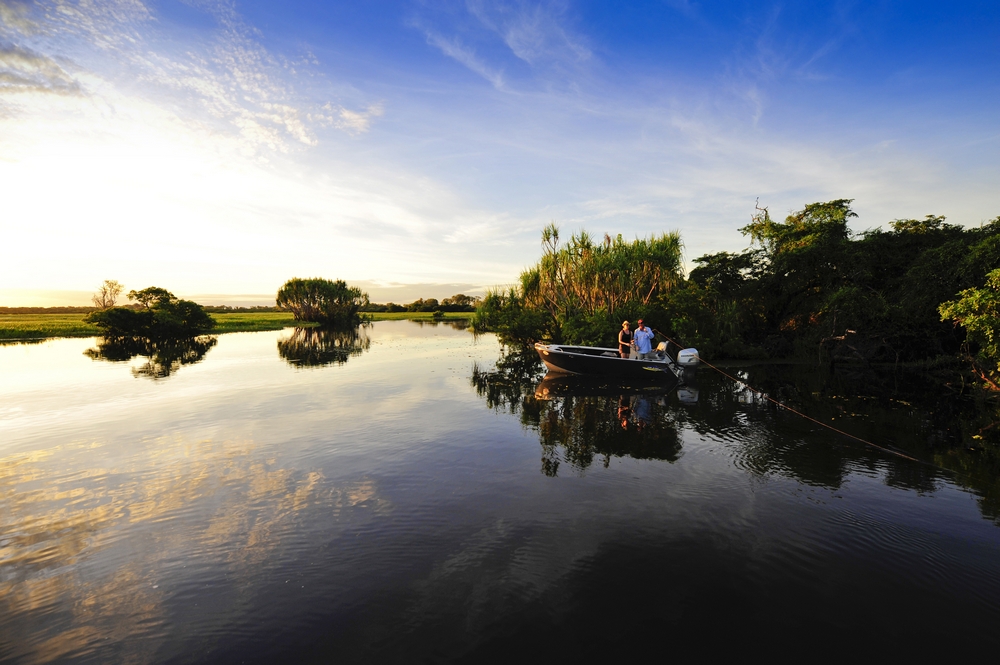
x,y
329,303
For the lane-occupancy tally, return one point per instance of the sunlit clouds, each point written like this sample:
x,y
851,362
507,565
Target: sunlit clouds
x,y
220,147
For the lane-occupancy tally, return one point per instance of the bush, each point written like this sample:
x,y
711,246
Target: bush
x,y
329,303
163,316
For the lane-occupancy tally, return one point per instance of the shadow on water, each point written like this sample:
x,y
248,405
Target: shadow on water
x,y
905,410
579,419
164,357
321,347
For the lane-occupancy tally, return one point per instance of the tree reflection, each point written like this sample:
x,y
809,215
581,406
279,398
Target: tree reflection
x,y
319,347
457,324
163,356
578,419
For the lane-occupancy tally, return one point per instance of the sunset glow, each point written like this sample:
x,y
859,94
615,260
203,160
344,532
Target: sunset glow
x,y
221,148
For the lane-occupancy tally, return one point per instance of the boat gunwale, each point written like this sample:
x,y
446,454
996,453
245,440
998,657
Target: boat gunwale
x,y
560,348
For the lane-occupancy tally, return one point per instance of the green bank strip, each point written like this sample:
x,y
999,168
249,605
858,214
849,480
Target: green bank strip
x,y
42,326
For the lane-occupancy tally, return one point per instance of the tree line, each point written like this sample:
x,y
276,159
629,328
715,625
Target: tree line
x,y
158,314
806,287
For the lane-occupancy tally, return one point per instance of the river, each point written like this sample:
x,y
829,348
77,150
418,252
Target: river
x,y
408,493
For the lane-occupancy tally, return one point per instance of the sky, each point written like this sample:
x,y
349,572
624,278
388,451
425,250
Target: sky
x,y
418,148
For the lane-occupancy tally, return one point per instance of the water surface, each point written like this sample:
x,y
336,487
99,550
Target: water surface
x,y
399,495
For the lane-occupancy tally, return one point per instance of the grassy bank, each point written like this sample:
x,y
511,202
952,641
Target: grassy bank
x,y
41,326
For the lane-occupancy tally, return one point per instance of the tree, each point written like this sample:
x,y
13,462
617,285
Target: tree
x,y
322,301
107,295
580,291
164,316
978,311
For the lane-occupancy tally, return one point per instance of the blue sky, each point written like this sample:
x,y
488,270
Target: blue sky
x,y
418,148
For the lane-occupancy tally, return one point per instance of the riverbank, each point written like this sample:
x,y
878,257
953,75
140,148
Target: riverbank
x,y
42,326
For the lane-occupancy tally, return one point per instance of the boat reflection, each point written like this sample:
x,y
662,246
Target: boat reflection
x,y
320,347
582,419
164,357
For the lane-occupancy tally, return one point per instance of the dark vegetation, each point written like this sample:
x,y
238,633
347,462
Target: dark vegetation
x,y
164,356
160,315
457,303
807,287
320,347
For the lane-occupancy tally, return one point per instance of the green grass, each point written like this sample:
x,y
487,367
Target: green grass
x,y
40,326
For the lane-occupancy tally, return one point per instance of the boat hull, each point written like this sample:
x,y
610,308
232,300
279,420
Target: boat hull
x,y
596,361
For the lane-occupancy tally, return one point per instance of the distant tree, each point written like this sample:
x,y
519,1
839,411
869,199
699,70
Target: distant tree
x,y
164,316
460,303
107,295
322,301
421,305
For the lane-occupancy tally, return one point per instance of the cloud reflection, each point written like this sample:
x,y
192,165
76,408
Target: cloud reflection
x,y
94,538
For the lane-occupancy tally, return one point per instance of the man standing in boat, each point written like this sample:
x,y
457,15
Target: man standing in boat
x,y
624,340
643,338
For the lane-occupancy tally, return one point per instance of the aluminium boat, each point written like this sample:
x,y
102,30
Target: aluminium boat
x,y
600,361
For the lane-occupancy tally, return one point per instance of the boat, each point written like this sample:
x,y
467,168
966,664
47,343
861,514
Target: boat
x,y
599,361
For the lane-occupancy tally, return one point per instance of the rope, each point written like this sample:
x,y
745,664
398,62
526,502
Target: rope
x,y
809,418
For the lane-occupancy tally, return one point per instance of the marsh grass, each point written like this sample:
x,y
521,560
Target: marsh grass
x,y
41,326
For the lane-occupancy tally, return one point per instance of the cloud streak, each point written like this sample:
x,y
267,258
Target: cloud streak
x,y
24,70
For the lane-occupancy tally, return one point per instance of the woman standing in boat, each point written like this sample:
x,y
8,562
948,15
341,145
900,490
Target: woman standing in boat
x,y
624,340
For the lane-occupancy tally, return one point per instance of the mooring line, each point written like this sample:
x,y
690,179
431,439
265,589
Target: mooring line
x,y
810,418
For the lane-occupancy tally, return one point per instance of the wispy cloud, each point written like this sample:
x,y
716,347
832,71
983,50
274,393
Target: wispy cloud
x,y
454,48
23,70
532,31
232,81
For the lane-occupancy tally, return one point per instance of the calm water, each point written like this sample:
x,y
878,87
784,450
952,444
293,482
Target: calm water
x,y
402,496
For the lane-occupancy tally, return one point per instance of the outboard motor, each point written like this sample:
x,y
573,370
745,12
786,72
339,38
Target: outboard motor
x,y
688,357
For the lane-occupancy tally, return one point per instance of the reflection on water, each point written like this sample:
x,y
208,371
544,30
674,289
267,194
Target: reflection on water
x,y
87,551
164,356
319,347
574,417
580,418
454,324
247,512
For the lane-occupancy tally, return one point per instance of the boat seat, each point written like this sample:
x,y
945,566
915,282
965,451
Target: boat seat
x,y
609,354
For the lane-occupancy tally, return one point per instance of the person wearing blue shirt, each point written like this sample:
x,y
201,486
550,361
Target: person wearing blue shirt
x,y
642,337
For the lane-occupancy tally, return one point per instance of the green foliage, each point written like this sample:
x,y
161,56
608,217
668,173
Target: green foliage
x,y
506,313
323,301
978,311
163,316
580,291
809,286
421,305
